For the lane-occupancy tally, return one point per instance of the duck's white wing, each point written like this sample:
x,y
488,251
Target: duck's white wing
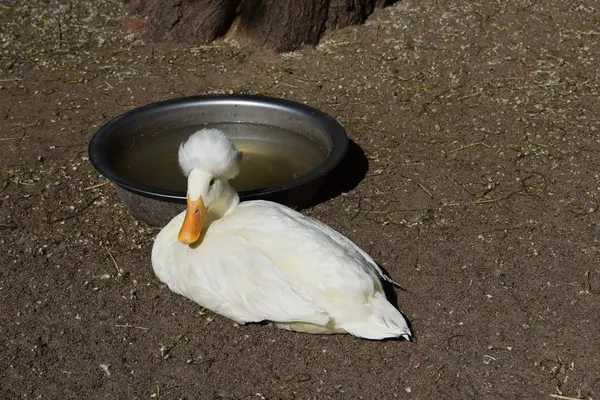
x,y
231,277
321,265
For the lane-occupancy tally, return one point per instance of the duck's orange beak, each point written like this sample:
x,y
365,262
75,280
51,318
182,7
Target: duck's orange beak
x,y
194,219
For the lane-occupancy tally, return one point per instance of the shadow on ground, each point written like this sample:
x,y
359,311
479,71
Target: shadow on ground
x,y
345,177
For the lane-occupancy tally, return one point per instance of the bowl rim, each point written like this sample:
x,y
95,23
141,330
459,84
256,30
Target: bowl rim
x,y
335,131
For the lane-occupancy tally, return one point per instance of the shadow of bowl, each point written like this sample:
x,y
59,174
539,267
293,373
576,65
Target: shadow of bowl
x,y
345,177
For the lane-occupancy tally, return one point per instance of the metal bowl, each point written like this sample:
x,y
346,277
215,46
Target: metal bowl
x,y
157,206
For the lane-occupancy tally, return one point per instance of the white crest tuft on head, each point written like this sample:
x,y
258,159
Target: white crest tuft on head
x,y
210,150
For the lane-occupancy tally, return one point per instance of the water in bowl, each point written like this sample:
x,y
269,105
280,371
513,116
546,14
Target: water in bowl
x,y
270,155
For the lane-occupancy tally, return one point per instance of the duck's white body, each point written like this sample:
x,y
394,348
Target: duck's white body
x,y
260,261
264,261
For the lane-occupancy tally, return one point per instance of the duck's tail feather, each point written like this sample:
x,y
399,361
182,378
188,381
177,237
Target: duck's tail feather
x,y
384,322
391,281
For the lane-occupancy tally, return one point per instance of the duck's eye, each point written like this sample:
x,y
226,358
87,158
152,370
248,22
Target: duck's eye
x,y
212,182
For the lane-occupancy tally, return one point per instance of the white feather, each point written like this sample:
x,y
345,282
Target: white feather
x,y
211,151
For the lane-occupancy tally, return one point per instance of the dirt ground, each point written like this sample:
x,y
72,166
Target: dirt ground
x,y
480,121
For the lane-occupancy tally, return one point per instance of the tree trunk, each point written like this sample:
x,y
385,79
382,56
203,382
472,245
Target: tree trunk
x,y
281,25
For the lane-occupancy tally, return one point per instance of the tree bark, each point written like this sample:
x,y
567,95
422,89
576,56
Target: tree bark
x,y
281,25
191,21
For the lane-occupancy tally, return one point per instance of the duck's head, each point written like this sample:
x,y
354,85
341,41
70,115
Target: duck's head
x,y
209,159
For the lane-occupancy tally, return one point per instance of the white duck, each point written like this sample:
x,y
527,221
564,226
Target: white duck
x,y
261,261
